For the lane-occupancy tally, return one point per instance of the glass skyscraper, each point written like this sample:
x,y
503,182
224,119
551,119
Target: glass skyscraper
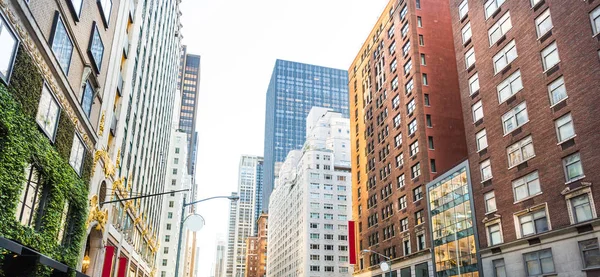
x,y
293,90
189,84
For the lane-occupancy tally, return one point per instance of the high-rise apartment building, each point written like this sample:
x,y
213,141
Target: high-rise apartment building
x,y
311,205
189,84
220,259
529,74
293,90
406,128
243,216
231,236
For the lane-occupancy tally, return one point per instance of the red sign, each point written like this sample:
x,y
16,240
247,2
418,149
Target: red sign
x,y
122,271
108,259
352,242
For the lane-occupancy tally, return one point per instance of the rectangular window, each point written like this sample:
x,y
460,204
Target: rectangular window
x,y
342,237
314,195
404,225
520,152
314,257
425,82
430,141
494,234
421,40
423,60
533,223
419,217
48,111
328,216
403,12
167,238
415,170
515,118
418,4
543,23
87,99
397,120
539,263
510,86
505,56
499,268
557,91
29,200
314,215
491,6
573,168
9,45
595,20
62,45
490,202
341,188
408,66
401,181
328,187
327,196
419,22
391,31
414,148
421,244
314,225
400,160
409,86
314,236
395,83
526,186
432,165
463,9
328,206
96,48
394,65
412,127
402,203
466,33
398,140
564,128
417,193
486,170
550,56
341,197
404,33
477,110
470,58
589,253
411,106
500,28
474,84
481,138
392,48
77,154
582,210
328,226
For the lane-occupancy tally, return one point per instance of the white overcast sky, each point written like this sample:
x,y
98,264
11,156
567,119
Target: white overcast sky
x,y
239,41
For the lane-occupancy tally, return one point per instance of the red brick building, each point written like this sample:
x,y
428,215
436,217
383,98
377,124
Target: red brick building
x,y
529,74
406,128
256,252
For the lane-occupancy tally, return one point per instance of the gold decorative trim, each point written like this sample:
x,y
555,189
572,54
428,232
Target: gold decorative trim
x,y
101,127
97,215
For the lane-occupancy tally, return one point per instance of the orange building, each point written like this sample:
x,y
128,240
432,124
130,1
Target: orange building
x,y
256,252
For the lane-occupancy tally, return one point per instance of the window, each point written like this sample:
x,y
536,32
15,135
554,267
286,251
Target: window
x,y
420,242
463,9
166,250
397,120
9,45
314,215
500,28
490,202
75,6
106,7
164,262
499,268
171,204
396,102
391,31
411,106
314,246
474,84
494,234
398,140
505,56
412,127
543,23
168,226
343,258
176,160
314,257
477,110
414,148
557,91
329,269
342,237
87,98
403,12
170,215
510,86
419,22
417,193
327,196
176,150
406,46
550,56
314,195
62,46
526,186
466,33
425,82
343,248
167,238
595,20
573,168
404,31
314,225
327,206
314,236
343,269
393,47
520,152
470,58
400,160
341,197
564,128
404,225
430,141
328,247
539,262
401,181
328,226
77,153
486,170
481,138
407,66
48,112
409,86
589,253
315,268
418,4
314,186
421,40
393,65
432,166
402,203
96,48
395,83
515,118
491,6
415,170
406,246
342,217
341,188
174,171
582,210
328,187
328,216
533,223
342,227
30,197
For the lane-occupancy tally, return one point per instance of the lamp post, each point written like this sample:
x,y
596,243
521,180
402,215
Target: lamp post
x,y
183,219
385,266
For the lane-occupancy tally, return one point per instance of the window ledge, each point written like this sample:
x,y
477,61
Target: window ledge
x,y
483,181
575,180
596,36
545,35
516,128
522,162
552,67
528,197
567,139
537,5
562,100
491,212
481,150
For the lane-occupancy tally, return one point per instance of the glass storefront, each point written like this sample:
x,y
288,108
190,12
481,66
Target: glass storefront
x,y
452,230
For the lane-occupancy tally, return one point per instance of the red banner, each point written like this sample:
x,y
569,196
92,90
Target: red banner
x,y
352,242
122,271
108,260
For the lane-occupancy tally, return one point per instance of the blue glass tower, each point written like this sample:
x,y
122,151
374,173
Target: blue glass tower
x,y
293,90
258,207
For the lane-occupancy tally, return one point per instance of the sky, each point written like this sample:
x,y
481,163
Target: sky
x,y
239,41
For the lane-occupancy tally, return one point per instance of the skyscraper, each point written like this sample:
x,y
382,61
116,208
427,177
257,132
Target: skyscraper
x,y
189,84
220,259
529,74
293,90
243,218
406,128
259,194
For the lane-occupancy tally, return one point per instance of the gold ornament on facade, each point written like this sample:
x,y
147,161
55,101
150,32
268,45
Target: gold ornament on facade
x,y
101,127
97,215
118,163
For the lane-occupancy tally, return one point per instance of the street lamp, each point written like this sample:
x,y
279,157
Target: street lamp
x,y
183,219
385,266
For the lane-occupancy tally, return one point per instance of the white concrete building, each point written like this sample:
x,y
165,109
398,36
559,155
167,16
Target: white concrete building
x,y
311,204
242,216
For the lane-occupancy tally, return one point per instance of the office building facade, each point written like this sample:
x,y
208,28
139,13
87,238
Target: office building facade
x,y
293,90
220,259
310,207
243,216
406,129
189,84
231,236
529,72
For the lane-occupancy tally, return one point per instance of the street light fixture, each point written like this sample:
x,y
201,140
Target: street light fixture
x,y
183,219
385,266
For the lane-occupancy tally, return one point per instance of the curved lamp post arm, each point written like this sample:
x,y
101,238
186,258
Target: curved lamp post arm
x,y
371,251
232,198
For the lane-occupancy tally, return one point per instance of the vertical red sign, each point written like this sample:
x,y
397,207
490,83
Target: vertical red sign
x,y
122,271
108,260
352,242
